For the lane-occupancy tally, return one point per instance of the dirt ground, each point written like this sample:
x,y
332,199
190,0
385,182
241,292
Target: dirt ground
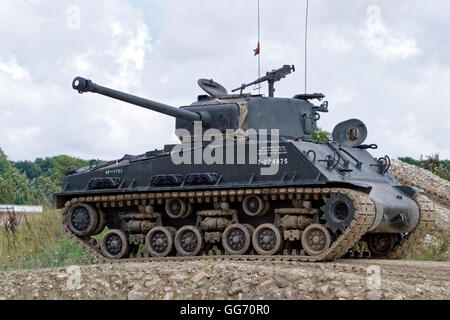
x,y
344,279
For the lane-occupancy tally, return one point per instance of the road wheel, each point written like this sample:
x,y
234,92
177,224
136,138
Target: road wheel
x,y
159,242
115,244
236,239
316,239
267,239
188,241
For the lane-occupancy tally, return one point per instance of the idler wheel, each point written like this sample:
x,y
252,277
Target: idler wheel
x,y
254,206
339,211
159,242
236,239
115,244
82,219
380,244
188,241
101,224
178,209
267,239
316,239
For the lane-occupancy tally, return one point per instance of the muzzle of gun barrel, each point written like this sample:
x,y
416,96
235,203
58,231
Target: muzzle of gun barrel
x,y
82,85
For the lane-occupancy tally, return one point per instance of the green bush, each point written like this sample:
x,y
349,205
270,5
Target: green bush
x,y
441,168
410,160
321,136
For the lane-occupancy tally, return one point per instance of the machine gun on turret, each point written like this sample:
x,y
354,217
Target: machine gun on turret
x,y
272,77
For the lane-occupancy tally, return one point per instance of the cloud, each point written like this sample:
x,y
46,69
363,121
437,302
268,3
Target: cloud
x,y
389,72
131,57
41,115
336,43
11,68
386,42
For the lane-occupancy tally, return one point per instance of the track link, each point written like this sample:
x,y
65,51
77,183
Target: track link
x,y
363,218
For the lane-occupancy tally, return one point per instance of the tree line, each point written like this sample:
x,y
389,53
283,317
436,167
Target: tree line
x,y
34,182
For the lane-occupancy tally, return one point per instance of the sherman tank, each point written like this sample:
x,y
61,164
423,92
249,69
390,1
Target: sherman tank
x,y
246,181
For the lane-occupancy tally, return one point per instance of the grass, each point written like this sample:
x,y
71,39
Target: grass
x,y
443,173
433,248
38,242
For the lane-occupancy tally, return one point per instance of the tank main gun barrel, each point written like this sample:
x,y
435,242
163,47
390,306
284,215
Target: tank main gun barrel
x,y
83,85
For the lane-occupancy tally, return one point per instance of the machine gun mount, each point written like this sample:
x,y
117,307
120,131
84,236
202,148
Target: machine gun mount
x,y
272,77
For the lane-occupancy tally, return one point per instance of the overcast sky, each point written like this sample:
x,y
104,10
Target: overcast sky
x,y
384,62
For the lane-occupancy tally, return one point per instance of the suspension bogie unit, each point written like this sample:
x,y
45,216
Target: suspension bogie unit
x,y
266,222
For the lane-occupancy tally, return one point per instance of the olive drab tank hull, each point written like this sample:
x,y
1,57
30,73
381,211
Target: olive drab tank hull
x,y
259,189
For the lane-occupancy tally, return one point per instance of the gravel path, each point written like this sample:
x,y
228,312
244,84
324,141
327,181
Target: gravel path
x,y
344,279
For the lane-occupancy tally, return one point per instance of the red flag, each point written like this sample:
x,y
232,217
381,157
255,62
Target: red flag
x,y
257,50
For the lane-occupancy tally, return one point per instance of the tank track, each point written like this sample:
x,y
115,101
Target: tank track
x,y
426,223
364,216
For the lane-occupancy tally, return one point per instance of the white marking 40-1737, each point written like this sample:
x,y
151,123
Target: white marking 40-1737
x,y
114,171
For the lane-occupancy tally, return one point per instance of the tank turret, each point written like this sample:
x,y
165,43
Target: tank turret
x,y
294,118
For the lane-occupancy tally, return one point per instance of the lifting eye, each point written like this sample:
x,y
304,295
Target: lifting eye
x,y
316,117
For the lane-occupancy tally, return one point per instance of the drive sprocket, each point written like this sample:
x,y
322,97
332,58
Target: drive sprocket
x,y
339,211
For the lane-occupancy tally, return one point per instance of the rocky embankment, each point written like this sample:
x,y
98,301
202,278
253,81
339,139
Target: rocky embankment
x,y
437,189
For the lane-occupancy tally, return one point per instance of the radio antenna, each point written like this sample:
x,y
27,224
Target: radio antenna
x,y
259,43
306,45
